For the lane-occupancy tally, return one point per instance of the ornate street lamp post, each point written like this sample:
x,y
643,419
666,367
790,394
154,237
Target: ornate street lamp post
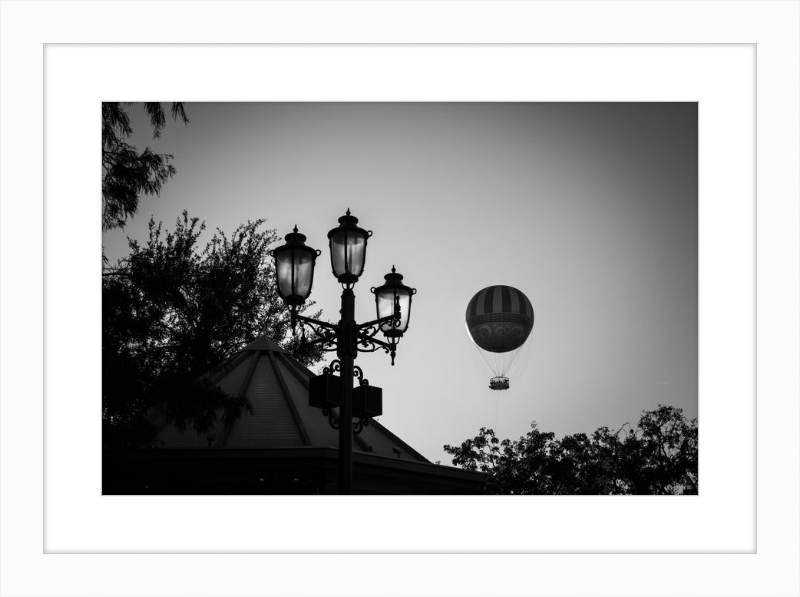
x,y
294,266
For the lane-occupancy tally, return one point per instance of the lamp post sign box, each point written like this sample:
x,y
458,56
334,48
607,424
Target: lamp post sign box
x,y
367,401
325,391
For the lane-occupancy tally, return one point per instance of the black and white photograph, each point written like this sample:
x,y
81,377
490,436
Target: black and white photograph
x,y
394,298
400,298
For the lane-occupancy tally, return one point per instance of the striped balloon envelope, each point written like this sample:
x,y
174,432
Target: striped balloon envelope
x,y
499,320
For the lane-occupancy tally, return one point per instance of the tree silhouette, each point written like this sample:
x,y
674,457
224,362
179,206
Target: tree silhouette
x,y
127,172
172,311
659,457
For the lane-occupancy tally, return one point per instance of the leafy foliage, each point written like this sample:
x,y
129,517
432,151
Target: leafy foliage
x,y
127,172
172,311
659,457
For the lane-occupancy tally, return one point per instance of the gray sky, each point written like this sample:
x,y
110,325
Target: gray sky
x,y
589,209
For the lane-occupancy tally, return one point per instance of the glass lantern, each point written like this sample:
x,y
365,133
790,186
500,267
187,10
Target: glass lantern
x,y
348,245
390,298
294,268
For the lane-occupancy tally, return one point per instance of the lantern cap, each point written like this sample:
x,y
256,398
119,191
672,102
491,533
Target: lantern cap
x,y
295,237
393,276
393,279
350,222
295,240
347,218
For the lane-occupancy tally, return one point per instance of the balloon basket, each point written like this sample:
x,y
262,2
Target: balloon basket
x,y
498,383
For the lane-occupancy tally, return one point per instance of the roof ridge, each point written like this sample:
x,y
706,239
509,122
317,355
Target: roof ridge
x,y
265,343
398,440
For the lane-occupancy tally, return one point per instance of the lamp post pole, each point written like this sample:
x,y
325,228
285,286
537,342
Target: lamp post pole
x,y
294,268
345,352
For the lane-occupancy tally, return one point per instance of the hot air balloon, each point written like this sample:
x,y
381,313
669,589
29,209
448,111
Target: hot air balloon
x,y
499,320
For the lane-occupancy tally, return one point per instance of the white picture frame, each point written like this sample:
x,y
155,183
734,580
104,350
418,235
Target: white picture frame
x,y
52,523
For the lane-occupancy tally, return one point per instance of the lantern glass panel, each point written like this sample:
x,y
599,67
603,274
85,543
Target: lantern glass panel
x,y
384,302
295,269
348,252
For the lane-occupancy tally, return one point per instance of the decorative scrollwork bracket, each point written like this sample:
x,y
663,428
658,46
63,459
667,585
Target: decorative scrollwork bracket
x,y
327,333
358,426
334,419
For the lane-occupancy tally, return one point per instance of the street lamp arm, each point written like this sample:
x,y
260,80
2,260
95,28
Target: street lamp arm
x,y
328,342
315,322
368,343
367,339
377,323
328,333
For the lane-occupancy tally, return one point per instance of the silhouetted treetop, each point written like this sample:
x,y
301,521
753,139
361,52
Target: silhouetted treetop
x,y
172,311
658,456
127,172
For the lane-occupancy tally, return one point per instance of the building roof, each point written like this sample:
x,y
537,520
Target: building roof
x,y
277,387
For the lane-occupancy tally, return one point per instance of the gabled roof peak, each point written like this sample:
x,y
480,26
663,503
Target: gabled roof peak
x,y
265,343
276,386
